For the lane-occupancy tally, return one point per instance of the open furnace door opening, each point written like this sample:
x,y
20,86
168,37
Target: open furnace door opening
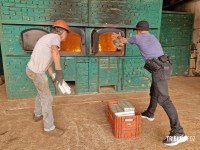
x,y
74,45
102,44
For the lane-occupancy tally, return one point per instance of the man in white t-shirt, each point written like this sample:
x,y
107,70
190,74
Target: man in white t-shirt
x,y
45,52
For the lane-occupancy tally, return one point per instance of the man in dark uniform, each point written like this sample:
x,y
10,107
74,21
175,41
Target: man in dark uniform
x,y
159,65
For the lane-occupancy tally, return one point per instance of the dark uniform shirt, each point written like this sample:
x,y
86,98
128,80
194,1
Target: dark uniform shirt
x,y
148,45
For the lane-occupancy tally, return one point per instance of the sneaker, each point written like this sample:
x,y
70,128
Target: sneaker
x,y
175,138
55,132
146,115
36,119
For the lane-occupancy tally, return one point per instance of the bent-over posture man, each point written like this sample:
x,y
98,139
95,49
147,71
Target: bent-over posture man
x,y
45,52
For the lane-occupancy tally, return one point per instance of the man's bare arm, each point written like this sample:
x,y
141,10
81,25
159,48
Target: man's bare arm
x,y
50,70
56,57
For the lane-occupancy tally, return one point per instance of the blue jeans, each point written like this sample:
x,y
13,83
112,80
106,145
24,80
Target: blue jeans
x,y
44,98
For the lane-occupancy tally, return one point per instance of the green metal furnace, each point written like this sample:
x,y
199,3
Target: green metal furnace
x,y
86,68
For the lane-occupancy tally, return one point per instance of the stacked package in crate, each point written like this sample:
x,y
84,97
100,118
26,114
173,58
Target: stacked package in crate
x,y
124,120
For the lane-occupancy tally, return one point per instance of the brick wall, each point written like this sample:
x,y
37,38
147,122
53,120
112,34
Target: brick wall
x,y
127,12
82,12
44,11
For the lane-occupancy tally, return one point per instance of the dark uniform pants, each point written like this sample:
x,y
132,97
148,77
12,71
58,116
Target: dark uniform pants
x,y
159,94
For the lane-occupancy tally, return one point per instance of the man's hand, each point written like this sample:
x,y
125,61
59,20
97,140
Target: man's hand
x,y
118,45
116,36
116,41
59,77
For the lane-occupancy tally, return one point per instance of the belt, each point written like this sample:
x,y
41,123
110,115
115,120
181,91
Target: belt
x,y
164,58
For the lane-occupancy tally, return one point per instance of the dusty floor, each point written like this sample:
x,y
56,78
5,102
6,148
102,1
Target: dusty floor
x,y
86,127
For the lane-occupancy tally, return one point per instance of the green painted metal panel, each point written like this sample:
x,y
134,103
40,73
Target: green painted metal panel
x,y
93,75
108,71
176,29
69,68
176,39
180,56
120,74
82,84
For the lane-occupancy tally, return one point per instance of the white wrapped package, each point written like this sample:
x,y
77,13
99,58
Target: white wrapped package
x,y
64,88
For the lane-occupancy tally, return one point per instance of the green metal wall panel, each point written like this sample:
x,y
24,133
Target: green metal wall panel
x,y
69,68
176,39
108,71
180,56
93,75
82,84
176,29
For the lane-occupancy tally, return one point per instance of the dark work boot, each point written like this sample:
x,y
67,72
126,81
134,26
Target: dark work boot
x,y
55,132
36,119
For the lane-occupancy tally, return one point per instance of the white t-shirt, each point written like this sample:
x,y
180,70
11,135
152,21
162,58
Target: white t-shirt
x,y
41,57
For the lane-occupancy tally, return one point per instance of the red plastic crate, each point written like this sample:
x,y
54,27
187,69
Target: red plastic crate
x,y
124,126
109,112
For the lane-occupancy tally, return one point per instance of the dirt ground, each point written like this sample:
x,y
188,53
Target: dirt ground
x,y
83,117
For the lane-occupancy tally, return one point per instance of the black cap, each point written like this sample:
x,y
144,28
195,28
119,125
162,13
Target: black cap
x,y
142,25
